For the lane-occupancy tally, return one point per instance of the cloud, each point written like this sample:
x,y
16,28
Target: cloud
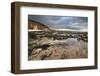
x,y
62,22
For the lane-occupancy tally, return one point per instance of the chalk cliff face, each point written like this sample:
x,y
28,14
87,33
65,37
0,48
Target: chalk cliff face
x,y
33,25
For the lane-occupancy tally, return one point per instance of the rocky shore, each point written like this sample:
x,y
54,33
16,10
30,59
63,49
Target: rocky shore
x,y
42,47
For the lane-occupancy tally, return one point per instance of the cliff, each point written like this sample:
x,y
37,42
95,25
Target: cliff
x,y
33,25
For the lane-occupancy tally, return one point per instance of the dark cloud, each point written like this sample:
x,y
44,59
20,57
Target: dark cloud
x,y
62,22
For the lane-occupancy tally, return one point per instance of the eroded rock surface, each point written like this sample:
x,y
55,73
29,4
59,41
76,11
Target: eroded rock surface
x,y
69,48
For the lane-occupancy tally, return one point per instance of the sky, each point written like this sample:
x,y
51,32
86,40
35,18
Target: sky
x,y
62,22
